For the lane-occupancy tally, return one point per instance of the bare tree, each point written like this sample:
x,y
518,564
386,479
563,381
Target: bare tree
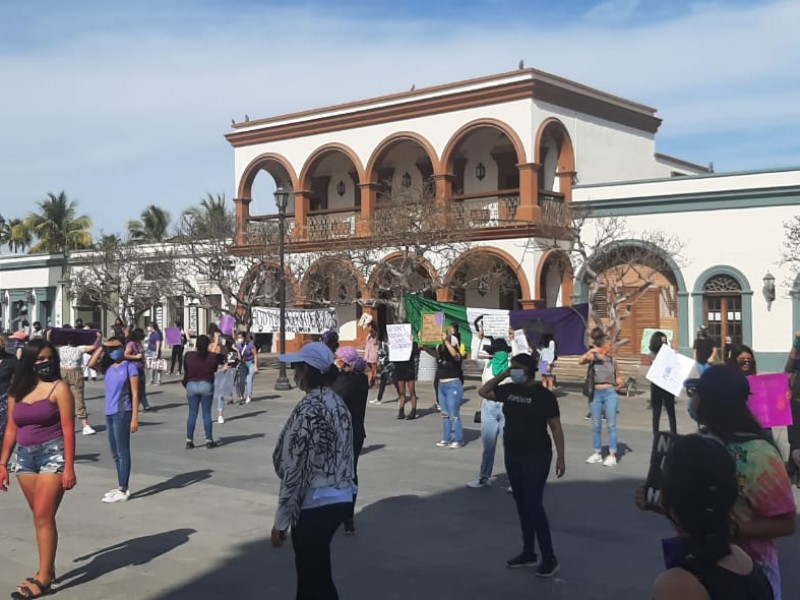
x,y
790,252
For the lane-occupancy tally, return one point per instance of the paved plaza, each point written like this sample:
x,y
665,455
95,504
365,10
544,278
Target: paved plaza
x,y
198,521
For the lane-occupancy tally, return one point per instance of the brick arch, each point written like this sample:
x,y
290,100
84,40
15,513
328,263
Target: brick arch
x,y
423,262
505,257
456,138
387,143
320,152
263,162
566,156
567,277
362,285
247,280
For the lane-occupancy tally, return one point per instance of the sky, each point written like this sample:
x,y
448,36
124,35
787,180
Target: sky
x,y
125,104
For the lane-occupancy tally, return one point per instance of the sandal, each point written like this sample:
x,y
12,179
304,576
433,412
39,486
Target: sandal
x,y
26,592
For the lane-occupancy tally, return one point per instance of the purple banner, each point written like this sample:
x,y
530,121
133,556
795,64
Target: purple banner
x,y
173,335
60,336
567,324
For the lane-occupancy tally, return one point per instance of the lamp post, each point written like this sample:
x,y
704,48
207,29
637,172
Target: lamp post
x,y
281,200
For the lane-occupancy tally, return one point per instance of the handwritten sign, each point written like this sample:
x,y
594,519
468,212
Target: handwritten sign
x,y
769,399
519,344
173,335
496,325
298,320
430,330
400,343
661,445
669,370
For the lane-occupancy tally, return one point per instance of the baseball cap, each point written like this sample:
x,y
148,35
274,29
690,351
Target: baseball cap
x,y
348,354
720,383
314,354
525,360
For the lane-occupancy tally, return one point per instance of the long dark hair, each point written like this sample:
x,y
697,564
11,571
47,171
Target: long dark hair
x,y
154,325
656,341
25,379
317,378
202,344
137,335
699,489
733,361
728,416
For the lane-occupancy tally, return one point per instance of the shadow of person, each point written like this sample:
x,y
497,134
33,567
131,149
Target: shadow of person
x,y
173,483
134,552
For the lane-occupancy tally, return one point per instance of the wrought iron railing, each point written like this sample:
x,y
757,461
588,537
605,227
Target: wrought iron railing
x,y
479,211
331,224
554,210
262,228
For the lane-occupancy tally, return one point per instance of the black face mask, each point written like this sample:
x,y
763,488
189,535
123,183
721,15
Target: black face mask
x,y
46,371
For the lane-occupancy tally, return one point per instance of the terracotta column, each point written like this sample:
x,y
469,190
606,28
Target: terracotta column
x,y
444,190
565,179
529,209
242,206
445,294
302,203
369,201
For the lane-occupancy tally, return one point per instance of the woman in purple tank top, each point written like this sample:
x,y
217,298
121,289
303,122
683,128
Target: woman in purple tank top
x,y
41,427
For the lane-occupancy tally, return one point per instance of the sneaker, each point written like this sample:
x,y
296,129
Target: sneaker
x,y
248,400
595,459
588,417
523,560
401,414
456,445
509,490
189,445
375,401
610,461
220,419
436,407
349,527
412,415
548,568
211,444
116,496
442,444
479,482
88,430
111,492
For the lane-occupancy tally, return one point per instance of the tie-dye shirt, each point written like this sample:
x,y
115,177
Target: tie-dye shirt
x,y
764,491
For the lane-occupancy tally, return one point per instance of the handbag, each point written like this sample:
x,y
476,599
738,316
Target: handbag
x,y
477,417
588,383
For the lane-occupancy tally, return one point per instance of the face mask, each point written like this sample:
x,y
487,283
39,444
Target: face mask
x,y
518,375
117,354
692,410
45,371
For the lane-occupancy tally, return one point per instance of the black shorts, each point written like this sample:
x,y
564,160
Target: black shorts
x,y
405,371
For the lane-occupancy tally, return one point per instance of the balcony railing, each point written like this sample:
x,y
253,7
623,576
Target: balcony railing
x,y
554,210
265,227
478,211
331,223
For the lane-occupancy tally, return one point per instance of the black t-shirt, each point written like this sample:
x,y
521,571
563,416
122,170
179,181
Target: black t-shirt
x,y
527,409
353,388
703,349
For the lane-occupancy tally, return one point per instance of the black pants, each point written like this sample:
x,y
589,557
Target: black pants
x,y
658,398
177,357
385,378
358,445
528,476
311,539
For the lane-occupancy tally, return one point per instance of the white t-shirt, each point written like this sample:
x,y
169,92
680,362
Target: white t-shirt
x,y
71,356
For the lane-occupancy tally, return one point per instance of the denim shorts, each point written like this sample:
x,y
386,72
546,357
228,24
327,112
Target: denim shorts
x,y
39,458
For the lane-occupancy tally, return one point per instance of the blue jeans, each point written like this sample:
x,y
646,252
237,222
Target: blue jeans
x,y
604,401
701,367
119,440
199,394
492,423
450,395
528,476
251,370
142,388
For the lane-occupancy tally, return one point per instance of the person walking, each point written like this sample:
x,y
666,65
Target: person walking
x,y
71,356
386,373
155,342
247,356
224,379
177,351
121,382
405,375
660,397
699,490
371,352
493,419
200,366
352,386
530,409
134,353
314,461
604,399
450,374
41,435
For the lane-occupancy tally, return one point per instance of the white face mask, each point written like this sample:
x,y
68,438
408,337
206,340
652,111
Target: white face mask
x,y
518,375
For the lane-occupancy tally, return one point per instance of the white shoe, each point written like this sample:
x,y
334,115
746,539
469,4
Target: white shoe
x,y
374,401
442,444
220,419
456,446
249,400
595,459
88,430
116,496
509,490
610,461
479,482
110,492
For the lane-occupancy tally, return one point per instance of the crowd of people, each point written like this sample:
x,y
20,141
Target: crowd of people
x,y
727,488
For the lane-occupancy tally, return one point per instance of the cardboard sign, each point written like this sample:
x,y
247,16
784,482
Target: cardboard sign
x,y
661,445
769,399
400,343
496,325
431,327
669,370
173,335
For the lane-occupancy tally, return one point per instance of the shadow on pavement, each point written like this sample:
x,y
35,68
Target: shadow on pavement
x,y
158,407
138,551
247,415
178,481
86,458
372,448
233,439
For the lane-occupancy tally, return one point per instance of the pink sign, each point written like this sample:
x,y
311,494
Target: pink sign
x,y
173,335
226,324
769,399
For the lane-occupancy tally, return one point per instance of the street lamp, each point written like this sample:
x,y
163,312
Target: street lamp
x,y
281,200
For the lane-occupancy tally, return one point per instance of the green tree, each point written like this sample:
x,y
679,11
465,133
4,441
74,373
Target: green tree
x,y
212,217
153,225
15,235
57,227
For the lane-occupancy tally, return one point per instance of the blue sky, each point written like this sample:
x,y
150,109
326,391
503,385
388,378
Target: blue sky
x,y
124,104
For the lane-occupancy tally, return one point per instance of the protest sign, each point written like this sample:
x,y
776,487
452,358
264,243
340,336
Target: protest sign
x,y
173,336
519,342
661,445
400,343
496,325
769,399
298,320
431,327
226,324
669,370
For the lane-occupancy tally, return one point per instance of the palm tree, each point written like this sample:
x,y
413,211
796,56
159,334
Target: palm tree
x,y
15,235
56,226
152,226
211,219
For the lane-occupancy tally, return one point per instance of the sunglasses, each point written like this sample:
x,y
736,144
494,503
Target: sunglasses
x,y
743,361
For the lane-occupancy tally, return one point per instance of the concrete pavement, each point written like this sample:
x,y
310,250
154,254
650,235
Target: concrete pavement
x,y
198,522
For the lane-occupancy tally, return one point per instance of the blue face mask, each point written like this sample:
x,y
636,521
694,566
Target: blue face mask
x,y
518,375
117,354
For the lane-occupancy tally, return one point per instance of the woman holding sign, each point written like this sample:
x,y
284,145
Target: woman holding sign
x,y
660,397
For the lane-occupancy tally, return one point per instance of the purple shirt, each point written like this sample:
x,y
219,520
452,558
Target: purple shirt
x,y
118,388
152,341
37,422
136,348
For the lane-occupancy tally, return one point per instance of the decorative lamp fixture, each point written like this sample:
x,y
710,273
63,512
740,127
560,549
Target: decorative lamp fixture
x,y
480,172
406,180
281,199
769,289
340,188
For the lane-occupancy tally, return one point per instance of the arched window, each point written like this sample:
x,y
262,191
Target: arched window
x,y
722,303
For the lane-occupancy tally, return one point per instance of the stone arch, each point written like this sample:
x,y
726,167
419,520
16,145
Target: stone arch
x,y
498,254
698,298
292,285
276,165
345,265
372,283
563,171
457,137
395,138
567,277
343,274
320,153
